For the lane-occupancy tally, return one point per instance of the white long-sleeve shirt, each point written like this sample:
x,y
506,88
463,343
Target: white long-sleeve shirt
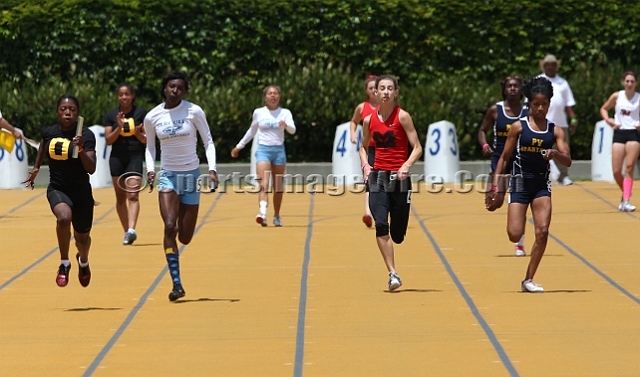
x,y
266,122
176,128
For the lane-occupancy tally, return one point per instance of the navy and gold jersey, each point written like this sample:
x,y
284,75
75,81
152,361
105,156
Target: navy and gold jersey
x,y
501,128
66,172
529,161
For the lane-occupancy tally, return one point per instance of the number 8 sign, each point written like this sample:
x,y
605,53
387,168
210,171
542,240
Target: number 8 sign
x,y
441,157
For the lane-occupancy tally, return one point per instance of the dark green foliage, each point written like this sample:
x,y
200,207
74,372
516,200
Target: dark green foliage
x,y
140,40
448,54
320,96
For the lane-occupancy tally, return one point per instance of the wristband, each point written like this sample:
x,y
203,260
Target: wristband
x,y
365,165
606,119
485,145
494,188
574,120
80,149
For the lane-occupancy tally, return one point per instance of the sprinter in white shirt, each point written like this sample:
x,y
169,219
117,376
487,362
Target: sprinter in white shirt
x,y
626,141
175,123
269,122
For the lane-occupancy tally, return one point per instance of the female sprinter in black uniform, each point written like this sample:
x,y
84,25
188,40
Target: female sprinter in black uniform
x,y
500,116
124,131
530,184
69,191
389,180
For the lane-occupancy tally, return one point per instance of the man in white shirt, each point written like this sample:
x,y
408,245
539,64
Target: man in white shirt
x,y
562,100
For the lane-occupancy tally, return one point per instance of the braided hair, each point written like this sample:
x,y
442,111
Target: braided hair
x,y
537,85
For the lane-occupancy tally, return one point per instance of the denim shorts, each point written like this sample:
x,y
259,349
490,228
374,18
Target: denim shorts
x,y
274,154
183,183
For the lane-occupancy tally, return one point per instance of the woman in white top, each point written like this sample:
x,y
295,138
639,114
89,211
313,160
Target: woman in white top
x,y
175,122
626,141
269,122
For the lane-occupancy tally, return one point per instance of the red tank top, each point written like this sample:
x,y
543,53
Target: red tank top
x,y
392,144
366,111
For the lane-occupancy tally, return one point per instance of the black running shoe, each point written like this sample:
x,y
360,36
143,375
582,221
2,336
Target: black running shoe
x,y
84,273
62,279
177,292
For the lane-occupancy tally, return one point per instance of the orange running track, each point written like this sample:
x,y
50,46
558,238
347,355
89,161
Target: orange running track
x,y
310,299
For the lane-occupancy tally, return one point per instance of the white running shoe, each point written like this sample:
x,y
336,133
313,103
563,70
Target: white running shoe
x,y
394,281
530,286
129,237
566,181
626,207
261,219
520,251
277,221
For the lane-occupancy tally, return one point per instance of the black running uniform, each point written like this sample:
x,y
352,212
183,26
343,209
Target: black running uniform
x,y
127,152
68,179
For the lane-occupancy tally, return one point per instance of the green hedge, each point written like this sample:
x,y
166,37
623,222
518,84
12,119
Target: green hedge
x,y
140,40
320,96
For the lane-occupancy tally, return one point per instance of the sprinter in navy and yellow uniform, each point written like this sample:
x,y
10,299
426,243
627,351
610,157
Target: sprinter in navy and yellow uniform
x,y
533,136
69,192
501,116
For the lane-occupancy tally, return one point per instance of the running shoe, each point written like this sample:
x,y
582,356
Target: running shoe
x,y
177,292
367,220
84,273
566,181
530,286
261,219
129,237
277,221
625,206
394,281
520,251
63,275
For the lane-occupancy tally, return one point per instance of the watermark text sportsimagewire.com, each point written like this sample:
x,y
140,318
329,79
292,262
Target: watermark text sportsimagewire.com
x,y
332,184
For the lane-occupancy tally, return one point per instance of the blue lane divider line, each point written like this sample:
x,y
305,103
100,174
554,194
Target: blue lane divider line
x,y
474,309
602,199
593,268
302,305
132,314
23,204
47,255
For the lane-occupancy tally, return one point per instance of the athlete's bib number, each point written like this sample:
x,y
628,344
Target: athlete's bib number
x,y
129,127
59,148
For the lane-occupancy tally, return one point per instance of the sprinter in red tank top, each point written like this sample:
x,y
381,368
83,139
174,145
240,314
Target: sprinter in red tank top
x,y
389,180
362,111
